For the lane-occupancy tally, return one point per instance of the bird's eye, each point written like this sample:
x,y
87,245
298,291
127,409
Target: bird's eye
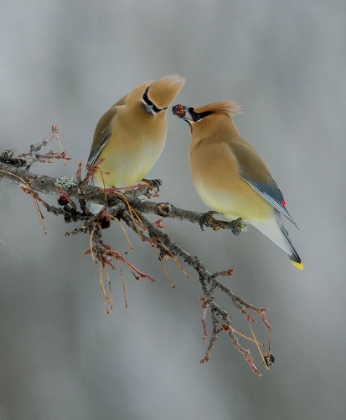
x,y
197,117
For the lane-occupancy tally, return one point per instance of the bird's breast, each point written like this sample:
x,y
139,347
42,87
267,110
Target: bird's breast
x,y
215,174
129,158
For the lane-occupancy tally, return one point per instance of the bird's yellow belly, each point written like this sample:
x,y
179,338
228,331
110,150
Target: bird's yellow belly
x,y
123,168
214,170
246,203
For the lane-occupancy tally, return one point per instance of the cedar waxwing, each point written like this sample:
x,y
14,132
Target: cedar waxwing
x,y
231,177
131,135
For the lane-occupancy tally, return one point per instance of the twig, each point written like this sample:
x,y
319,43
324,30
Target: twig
x,y
130,208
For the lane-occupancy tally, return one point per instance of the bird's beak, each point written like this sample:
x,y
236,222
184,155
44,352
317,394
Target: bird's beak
x,y
183,112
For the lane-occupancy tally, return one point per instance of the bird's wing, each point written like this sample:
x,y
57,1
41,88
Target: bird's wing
x,y
254,171
102,133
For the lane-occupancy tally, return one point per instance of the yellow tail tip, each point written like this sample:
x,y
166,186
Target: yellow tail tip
x,y
300,265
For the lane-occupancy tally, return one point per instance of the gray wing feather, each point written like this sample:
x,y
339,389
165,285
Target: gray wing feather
x,y
97,150
273,195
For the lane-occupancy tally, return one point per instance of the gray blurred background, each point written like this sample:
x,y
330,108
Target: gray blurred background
x,y
61,356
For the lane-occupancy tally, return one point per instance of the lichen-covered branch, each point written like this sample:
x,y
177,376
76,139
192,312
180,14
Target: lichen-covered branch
x,y
131,208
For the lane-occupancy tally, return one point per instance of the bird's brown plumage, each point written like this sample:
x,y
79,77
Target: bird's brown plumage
x,y
129,138
229,174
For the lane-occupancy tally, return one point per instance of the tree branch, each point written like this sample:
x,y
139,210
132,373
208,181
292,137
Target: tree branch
x,y
130,207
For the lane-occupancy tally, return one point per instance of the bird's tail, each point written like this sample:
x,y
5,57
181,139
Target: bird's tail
x,y
294,257
275,231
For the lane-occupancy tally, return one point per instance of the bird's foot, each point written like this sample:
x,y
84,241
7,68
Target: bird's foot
x,y
238,226
153,183
151,187
208,220
130,187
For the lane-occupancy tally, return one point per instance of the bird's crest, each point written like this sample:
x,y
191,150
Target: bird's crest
x,y
162,91
220,107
